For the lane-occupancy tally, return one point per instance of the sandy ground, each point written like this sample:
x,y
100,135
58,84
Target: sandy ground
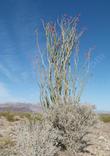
x,y
101,140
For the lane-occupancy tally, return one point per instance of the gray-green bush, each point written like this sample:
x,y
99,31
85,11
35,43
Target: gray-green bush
x,y
63,128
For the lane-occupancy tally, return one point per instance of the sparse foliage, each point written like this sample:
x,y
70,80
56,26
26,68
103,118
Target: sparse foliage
x,y
60,77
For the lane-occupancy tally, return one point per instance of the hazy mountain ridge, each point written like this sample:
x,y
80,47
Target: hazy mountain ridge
x,y
20,107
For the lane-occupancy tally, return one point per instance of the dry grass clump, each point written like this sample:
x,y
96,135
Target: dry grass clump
x,y
5,142
6,146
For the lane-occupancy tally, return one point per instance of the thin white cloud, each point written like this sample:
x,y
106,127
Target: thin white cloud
x,y
4,92
10,74
15,75
7,96
6,72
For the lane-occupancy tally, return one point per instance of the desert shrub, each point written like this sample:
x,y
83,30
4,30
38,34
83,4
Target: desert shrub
x,y
5,142
30,116
104,117
6,146
65,124
73,123
8,115
24,135
63,128
38,117
33,138
7,152
16,116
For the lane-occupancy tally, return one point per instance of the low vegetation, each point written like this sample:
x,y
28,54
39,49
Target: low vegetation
x,y
105,117
16,116
6,142
10,116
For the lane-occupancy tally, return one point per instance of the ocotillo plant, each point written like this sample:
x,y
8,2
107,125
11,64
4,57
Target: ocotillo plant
x,y
59,75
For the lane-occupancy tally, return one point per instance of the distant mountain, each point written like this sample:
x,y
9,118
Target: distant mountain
x,y
104,112
29,107
20,107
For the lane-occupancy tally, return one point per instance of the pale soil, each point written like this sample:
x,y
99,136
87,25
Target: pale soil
x,y
100,138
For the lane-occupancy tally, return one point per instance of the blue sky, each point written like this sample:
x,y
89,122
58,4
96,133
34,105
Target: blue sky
x,y
18,21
